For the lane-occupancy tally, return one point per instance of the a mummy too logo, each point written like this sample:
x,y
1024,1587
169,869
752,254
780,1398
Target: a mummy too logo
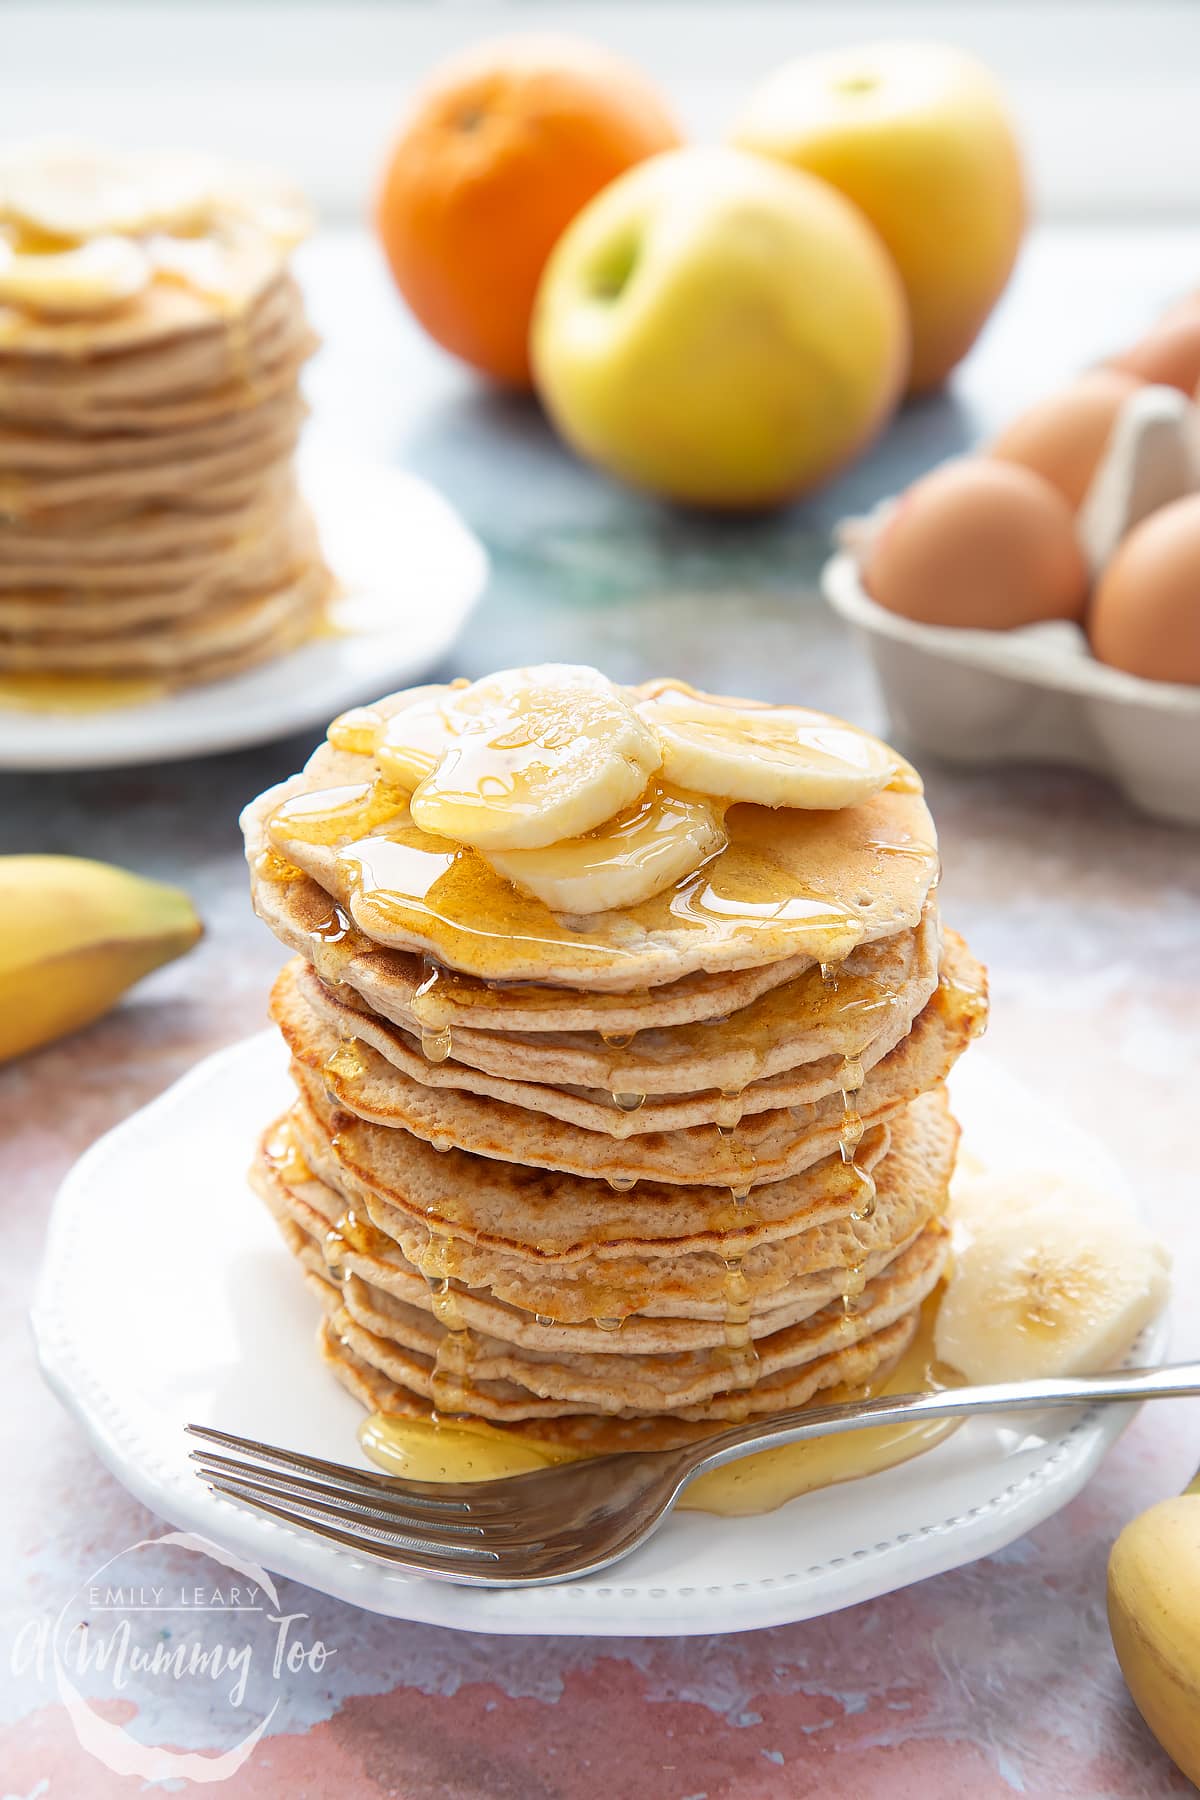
x,y
172,1629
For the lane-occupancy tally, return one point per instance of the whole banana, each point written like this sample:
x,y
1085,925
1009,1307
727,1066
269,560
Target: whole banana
x,y
1154,1616
74,935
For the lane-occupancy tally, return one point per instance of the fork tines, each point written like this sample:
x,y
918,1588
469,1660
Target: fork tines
x,y
406,1522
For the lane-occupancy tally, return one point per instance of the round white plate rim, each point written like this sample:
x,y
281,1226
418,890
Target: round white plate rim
x,y
602,1606
279,697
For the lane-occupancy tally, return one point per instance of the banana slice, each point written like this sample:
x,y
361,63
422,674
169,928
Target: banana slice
x,y
771,755
1054,1289
647,848
523,759
66,189
95,278
414,740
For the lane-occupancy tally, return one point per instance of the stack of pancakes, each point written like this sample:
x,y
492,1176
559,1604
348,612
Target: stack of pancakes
x,y
608,1181
151,342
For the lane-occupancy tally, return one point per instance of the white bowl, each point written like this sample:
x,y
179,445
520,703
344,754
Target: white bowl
x,y
1035,694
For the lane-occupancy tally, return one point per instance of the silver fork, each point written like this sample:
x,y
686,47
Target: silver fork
x,y
559,1523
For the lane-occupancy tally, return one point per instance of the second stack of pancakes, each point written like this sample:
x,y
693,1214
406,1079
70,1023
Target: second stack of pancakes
x,y
151,345
609,1181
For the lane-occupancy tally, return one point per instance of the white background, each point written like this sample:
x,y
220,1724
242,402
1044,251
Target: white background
x,y
1107,94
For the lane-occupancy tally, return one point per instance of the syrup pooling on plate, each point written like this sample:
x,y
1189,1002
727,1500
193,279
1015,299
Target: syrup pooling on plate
x,y
471,1450
71,693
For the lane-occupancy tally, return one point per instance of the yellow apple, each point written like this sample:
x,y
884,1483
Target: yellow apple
x,y
718,329
917,135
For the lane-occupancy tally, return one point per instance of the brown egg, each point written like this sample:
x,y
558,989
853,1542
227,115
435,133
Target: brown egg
x,y
1063,437
979,543
1169,353
1145,613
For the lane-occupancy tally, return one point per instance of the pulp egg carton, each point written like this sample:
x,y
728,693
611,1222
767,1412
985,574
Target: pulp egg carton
x,y
1036,693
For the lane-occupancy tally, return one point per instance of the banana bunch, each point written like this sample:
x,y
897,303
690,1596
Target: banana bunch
x,y
73,936
1154,1617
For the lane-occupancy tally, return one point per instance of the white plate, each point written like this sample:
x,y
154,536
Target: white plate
x,y
410,573
167,1296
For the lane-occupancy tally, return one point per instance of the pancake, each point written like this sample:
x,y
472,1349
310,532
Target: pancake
x,y
589,1434
646,1092
171,477
789,883
609,1181
873,1000
279,554
794,1365
230,632
804,1244
553,1216
412,990
640,1333
149,520
763,1147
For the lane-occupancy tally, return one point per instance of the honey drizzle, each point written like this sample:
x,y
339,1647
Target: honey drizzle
x,y
346,1062
451,1378
351,1232
330,817
270,866
431,974
333,944
285,1154
850,1135
402,879
437,1045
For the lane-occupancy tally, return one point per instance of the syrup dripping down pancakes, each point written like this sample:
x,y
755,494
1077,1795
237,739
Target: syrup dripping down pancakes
x,y
619,1021
151,344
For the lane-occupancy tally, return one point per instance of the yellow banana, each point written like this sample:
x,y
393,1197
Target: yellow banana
x,y
73,936
1154,1617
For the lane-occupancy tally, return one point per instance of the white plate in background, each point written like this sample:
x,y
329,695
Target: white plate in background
x,y
410,572
156,1240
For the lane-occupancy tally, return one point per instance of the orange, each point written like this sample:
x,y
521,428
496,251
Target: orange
x,y
503,147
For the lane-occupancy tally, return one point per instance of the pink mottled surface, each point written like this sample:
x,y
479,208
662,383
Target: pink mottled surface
x,y
995,1680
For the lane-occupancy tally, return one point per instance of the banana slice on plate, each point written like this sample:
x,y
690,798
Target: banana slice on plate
x,y
94,278
1061,1285
649,847
524,759
770,755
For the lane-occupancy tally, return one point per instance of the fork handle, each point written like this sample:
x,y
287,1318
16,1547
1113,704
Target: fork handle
x,y
1166,1382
